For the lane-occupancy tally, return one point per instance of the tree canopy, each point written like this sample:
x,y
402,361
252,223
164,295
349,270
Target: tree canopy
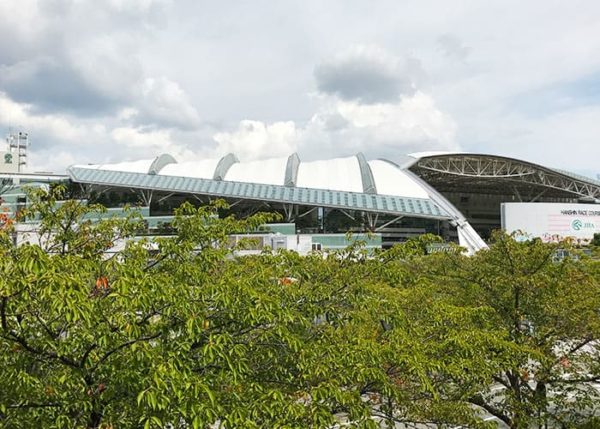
x,y
180,332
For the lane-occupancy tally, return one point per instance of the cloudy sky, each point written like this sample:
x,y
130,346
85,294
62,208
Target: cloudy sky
x,y
107,80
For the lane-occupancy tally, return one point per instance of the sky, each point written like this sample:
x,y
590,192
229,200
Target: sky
x,y
110,80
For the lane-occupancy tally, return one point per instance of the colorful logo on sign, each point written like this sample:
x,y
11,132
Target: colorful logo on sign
x,y
577,224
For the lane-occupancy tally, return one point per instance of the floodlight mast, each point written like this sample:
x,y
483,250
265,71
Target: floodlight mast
x,y
18,144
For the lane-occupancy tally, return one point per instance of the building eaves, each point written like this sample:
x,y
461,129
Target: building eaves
x,y
395,205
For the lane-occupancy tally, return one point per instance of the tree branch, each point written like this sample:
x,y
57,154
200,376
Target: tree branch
x,y
86,354
34,405
122,346
49,354
51,334
502,381
588,339
479,401
3,304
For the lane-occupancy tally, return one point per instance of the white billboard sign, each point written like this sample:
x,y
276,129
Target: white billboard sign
x,y
552,221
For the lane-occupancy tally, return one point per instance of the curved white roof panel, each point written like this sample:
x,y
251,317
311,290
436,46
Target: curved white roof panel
x,y
203,169
268,171
338,174
391,180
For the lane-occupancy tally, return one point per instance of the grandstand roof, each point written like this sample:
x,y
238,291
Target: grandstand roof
x,y
350,182
493,174
349,174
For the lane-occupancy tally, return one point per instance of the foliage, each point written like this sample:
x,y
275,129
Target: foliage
x,y
549,311
6,185
99,329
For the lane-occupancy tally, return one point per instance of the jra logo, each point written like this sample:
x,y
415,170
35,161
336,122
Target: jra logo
x,y
578,225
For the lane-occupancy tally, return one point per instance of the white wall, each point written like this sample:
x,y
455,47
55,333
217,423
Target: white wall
x,y
552,221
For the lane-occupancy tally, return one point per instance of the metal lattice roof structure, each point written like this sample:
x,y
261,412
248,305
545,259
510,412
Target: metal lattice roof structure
x,y
491,174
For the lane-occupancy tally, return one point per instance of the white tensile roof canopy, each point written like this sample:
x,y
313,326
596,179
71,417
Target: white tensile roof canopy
x,y
348,174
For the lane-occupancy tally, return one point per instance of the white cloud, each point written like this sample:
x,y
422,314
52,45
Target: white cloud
x,y
136,138
568,139
413,118
163,102
107,64
346,127
256,140
382,129
368,102
452,47
367,74
39,161
20,115
84,58
174,72
59,140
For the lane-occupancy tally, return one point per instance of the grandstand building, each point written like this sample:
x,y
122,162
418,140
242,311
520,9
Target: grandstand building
x,y
455,195
459,196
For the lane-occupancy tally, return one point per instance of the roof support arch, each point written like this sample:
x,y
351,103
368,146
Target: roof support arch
x,y
366,175
291,170
224,165
160,162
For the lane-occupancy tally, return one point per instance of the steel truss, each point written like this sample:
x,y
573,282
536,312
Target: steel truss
x,y
485,167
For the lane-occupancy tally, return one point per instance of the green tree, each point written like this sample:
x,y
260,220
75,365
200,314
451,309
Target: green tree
x,y
99,328
180,331
549,310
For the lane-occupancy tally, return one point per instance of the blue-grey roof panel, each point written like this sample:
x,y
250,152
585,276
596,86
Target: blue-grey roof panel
x,y
254,191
